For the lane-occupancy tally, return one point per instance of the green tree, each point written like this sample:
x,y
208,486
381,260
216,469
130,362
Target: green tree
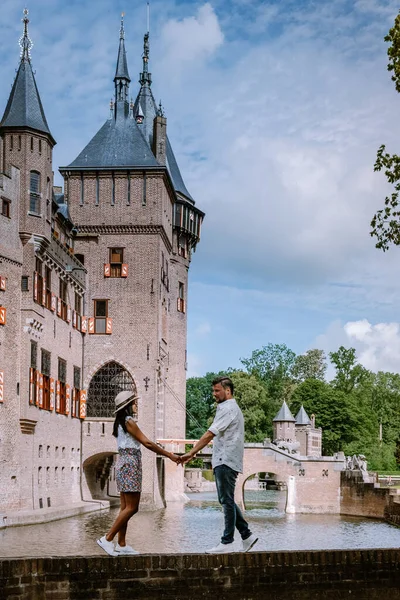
x,y
385,223
258,409
349,372
273,365
311,365
200,404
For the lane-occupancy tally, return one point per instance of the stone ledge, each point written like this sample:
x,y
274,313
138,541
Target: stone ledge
x,y
305,575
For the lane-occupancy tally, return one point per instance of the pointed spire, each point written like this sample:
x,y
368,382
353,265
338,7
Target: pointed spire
x,y
121,78
24,107
121,71
302,417
284,414
145,76
25,41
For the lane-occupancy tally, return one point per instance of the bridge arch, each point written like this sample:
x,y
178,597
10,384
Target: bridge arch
x,y
106,382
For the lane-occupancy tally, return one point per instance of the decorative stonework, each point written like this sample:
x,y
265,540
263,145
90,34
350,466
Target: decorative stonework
x,y
27,426
34,328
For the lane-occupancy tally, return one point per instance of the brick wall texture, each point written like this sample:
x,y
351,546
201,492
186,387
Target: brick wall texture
x,y
316,575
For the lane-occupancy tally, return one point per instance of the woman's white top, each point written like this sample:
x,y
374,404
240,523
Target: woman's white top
x,y
125,439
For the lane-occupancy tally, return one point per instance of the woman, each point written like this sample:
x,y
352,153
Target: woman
x,y
128,472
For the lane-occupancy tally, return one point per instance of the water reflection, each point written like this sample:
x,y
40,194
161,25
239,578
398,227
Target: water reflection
x,y
196,526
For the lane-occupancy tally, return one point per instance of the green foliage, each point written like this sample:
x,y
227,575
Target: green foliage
x,y
348,372
258,410
199,404
385,223
311,365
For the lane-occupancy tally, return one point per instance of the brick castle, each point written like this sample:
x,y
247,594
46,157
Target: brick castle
x,y
93,293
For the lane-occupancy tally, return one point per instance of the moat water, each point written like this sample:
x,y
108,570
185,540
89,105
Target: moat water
x,y
196,526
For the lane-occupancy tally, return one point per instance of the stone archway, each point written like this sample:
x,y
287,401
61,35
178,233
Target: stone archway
x,y
276,485
105,384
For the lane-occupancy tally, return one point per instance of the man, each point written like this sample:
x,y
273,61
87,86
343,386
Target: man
x,y
227,431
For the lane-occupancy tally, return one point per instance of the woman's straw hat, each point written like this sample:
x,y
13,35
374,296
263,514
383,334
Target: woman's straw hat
x,y
123,399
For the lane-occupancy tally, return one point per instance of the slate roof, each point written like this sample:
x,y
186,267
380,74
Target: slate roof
x,y
148,106
302,417
119,143
284,414
24,107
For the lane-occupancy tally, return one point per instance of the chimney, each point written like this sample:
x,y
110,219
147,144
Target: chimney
x,y
160,136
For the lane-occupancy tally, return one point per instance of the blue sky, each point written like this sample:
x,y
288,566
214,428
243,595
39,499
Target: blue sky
x,y
275,112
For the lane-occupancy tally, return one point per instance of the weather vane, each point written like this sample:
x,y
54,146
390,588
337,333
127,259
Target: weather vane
x,y
25,41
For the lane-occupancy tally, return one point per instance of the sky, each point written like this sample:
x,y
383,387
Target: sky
x,y
275,112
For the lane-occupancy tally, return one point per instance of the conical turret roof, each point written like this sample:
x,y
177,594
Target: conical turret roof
x,y
24,107
302,417
284,414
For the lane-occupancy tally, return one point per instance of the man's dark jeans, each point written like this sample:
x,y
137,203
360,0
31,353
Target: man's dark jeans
x,y
225,478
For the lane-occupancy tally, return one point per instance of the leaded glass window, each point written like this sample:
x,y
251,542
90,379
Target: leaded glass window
x,y
111,379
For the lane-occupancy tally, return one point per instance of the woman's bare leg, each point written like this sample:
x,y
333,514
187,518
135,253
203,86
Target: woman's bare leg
x,y
131,507
122,531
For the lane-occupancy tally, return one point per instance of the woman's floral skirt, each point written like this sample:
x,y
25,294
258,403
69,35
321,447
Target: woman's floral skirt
x,y
129,470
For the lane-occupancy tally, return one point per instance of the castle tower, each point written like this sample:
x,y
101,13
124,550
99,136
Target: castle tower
x,y
284,425
135,244
309,437
40,353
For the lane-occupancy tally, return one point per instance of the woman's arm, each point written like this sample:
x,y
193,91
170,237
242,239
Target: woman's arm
x,y
137,433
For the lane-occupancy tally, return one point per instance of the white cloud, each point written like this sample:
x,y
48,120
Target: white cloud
x,y
191,39
377,345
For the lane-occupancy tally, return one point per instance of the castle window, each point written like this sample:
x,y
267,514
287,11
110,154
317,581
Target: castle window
x,y
82,190
100,315
19,142
40,146
25,283
182,247
62,378
48,201
181,298
76,392
11,142
116,260
31,144
48,288
113,190
34,194
46,365
81,258
97,190
5,207
63,298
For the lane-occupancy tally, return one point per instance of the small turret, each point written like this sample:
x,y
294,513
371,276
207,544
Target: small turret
x,y
160,136
284,425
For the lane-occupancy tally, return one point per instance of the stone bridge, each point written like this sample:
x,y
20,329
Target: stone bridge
x,y
312,484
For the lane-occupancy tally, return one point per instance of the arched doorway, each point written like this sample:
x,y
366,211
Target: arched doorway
x,y
105,384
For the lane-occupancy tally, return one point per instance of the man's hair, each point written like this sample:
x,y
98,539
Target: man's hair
x,y
226,382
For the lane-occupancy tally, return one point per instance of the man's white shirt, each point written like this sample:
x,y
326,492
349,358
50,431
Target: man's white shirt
x,y
228,443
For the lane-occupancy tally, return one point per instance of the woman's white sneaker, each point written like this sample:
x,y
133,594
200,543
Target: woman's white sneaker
x,y
107,546
125,550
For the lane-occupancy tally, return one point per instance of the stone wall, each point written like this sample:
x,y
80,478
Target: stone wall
x,y
317,575
362,499
392,511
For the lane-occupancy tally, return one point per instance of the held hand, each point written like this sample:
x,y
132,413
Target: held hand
x,y
185,458
174,458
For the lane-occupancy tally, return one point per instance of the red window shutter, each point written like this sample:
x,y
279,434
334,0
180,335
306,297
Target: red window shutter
x,y
109,326
3,315
84,324
35,287
37,384
44,291
40,390
53,302
67,398
68,314
82,405
1,386
59,307
91,325
51,393
124,270
3,284
73,396
31,385
183,306
107,270
58,396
